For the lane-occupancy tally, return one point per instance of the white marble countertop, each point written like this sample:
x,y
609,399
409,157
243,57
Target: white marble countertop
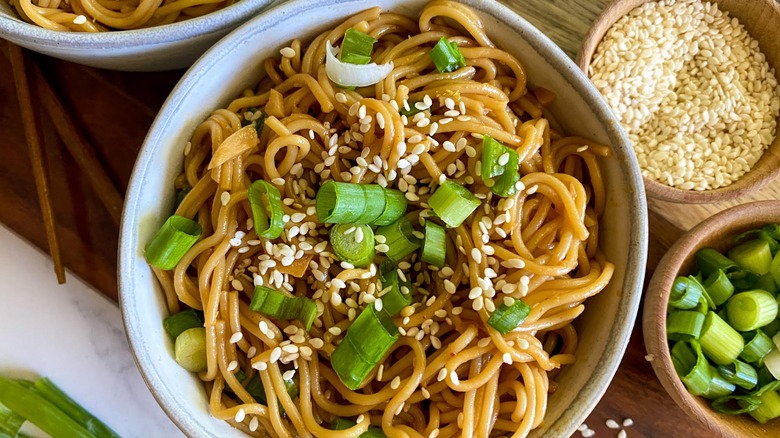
x,y
74,336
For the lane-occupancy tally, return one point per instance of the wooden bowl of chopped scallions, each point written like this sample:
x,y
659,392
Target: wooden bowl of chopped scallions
x,y
711,324
694,85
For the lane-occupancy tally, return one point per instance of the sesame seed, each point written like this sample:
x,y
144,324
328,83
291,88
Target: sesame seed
x,y
287,52
442,374
507,358
449,286
622,434
335,331
628,422
254,423
454,377
378,304
425,393
236,337
80,19
260,365
276,353
509,301
224,198
278,181
240,415
251,352
380,372
341,98
476,255
395,383
288,375
612,424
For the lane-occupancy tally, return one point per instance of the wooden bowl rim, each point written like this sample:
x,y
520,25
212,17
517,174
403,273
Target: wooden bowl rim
x,y
768,166
728,224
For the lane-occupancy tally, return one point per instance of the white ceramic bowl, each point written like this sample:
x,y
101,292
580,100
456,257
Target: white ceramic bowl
x,y
159,48
234,64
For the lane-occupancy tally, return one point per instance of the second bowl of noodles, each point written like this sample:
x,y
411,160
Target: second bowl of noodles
x,y
493,196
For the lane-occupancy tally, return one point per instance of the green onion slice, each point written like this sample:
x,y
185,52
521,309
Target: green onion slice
x,y
740,374
685,294
753,255
278,305
453,203
506,184
190,349
400,293
343,424
491,152
710,260
267,211
751,309
356,47
718,385
502,163
176,236
719,341
353,243
774,269
368,339
184,320
684,325
683,357
769,407
434,248
399,239
718,287
342,203
506,318
697,378
757,345
446,56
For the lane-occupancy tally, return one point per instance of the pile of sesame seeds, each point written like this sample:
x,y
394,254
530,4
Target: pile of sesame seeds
x,y
692,89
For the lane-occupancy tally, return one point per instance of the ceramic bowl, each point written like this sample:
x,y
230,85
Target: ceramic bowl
x,y
760,18
233,65
169,47
717,232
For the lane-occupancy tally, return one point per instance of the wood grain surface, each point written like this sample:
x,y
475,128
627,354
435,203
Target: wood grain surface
x,y
116,109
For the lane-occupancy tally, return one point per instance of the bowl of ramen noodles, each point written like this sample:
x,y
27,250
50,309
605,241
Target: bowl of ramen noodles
x,y
390,218
135,35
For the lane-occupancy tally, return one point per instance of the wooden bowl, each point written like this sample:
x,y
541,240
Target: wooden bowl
x,y
761,19
717,232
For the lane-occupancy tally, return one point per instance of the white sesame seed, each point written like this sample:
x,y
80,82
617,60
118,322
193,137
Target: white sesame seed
x,y
476,255
335,331
236,337
224,198
454,377
395,383
442,374
240,415
260,365
612,424
507,358
276,353
254,423
628,422
80,19
622,434
287,52
232,366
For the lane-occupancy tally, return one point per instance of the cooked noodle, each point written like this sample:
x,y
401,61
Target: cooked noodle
x,y
105,15
449,372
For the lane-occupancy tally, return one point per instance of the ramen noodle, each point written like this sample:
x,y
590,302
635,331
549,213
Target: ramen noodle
x,y
105,15
450,372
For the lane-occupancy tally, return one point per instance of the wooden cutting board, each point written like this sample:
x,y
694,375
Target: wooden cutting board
x,y
116,110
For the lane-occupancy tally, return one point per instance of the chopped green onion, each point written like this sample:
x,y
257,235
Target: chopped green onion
x,y
683,357
258,122
772,328
774,269
356,47
757,345
766,282
343,424
179,322
368,339
501,162
57,396
740,374
682,325
353,243
743,279
343,203
267,211
751,310
278,305
172,241
255,388
685,294
769,407
395,207
697,378
773,230
400,293
718,385
453,203
434,247
745,403
753,255
399,238
772,362
491,152
506,184
413,109
718,287
22,398
507,318
710,260
10,422
181,194
719,341
190,349
446,56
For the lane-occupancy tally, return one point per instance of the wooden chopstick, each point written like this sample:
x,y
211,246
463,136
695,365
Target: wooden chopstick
x,y
35,147
78,146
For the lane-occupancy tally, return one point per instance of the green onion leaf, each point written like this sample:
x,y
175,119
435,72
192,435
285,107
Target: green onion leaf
x,y
740,374
399,239
718,287
743,279
507,318
683,357
751,310
179,322
267,212
745,403
10,422
446,56
683,325
356,47
278,305
453,203
685,294
753,255
172,241
368,339
190,349
353,243
757,345
181,194
710,260
400,293
22,398
718,385
697,378
434,248
719,341
51,392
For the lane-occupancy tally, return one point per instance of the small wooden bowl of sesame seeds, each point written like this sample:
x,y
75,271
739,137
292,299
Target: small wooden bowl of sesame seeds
x,y
694,84
716,232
